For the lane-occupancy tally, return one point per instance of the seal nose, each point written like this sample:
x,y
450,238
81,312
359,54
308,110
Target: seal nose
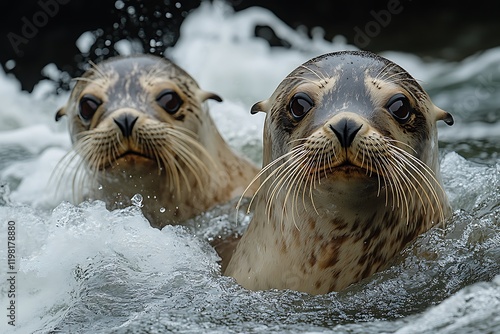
x,y
346,130
126,123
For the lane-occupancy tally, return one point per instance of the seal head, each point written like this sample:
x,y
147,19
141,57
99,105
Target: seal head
x,y
140,126
350,176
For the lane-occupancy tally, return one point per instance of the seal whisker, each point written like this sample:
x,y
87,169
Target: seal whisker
x,y
304,79
193,163
429,181
369,163
80,175
295,180
186,139
168,161
404,181
422,165
394,142
381,168
268,177
393,173
89,80
302,186
68,163
384,71
311,179
389,170
284,177
97,70
321,77
410,167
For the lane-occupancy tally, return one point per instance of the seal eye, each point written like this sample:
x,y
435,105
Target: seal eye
x,y
88,106
300,104
169,100
400,108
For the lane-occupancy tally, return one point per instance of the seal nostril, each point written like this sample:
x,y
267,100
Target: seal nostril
x,y
346,130
126,123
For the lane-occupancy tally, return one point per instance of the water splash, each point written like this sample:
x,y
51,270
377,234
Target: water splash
x,y
137,200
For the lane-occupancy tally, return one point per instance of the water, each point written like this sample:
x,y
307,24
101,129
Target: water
x,y
85,269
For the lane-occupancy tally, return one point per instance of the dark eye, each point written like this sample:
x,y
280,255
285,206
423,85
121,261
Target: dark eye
x,y
300,104
169,101
400,108
88,106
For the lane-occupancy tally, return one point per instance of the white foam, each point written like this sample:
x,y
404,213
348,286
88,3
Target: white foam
x,y
85,41
58,253
218,47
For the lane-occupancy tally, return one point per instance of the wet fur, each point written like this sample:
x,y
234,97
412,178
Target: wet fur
x,y
327,216
178,163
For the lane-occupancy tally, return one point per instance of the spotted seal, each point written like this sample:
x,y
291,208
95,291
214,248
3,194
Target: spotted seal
x,y
350,175
140,125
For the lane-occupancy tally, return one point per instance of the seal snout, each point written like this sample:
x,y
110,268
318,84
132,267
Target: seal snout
x,y
345,130
126,123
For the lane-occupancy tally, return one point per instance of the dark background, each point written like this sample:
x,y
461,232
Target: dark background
x,y
444,29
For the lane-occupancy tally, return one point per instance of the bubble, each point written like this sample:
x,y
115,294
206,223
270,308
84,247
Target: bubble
x,y
131,10
119,4
162,209
137,200
10,64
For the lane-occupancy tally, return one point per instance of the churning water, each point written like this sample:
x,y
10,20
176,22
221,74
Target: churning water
x,y
83,269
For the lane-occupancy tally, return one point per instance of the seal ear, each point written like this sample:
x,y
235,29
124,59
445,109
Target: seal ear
x,y
203,95
260,106
444,116
60,113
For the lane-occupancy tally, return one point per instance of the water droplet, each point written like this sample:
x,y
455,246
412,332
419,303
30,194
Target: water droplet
x,y
131,10
162,209
119,5
10,64
137,200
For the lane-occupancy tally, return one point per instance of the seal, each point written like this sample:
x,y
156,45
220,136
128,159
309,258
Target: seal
x,y
351,175
141,134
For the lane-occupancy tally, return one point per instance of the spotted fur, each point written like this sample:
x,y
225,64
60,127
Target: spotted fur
x,y
329,214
